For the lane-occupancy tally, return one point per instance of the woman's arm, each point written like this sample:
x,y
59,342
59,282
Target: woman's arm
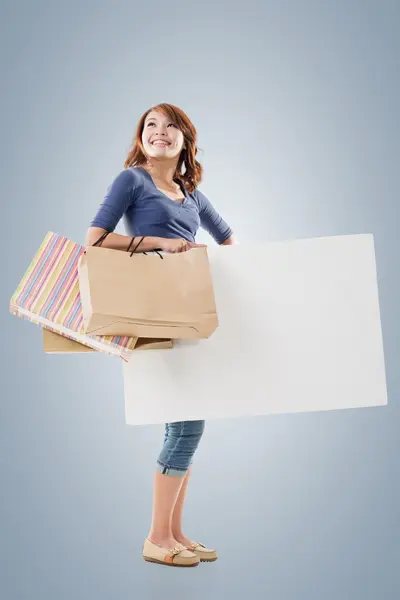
x,y
230,241
119,196
117,241
212,221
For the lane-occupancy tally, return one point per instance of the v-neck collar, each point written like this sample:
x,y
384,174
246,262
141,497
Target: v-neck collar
x,y
180,201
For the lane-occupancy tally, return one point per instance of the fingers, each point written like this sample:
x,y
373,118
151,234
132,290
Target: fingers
x,y
184,246
188,245
196,245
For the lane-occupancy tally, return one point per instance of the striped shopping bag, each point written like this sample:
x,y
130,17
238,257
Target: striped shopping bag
x,y
48,295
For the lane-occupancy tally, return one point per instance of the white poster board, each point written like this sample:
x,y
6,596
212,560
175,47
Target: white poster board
x,y
299,331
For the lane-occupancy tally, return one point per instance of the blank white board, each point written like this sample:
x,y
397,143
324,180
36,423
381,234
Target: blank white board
x,y
299,331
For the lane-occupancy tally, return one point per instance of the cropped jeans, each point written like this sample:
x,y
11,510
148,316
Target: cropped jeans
x,y
180,443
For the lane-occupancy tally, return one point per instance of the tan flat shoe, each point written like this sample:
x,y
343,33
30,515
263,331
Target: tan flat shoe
x,y
203,553
179,556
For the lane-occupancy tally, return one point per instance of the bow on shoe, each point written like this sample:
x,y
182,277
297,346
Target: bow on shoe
x,y
172,553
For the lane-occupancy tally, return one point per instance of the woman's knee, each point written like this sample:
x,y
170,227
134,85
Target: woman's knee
x,y
182,439
188,432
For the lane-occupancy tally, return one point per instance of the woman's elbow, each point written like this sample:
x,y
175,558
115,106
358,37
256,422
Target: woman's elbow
x,y
230,241
93,234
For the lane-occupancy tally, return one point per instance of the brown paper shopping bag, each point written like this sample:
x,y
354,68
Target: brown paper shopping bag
x,y
55,343
148,295
48,295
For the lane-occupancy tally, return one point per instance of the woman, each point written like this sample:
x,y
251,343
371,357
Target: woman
x,y
159,200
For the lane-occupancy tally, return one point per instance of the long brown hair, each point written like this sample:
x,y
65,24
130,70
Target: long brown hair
x,y
193,169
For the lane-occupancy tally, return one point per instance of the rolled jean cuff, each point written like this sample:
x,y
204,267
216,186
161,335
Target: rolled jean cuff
x,y
172,471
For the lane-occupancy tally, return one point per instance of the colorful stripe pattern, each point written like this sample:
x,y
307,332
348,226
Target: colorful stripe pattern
x,y
50,289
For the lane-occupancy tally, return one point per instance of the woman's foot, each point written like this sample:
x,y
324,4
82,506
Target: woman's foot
x,y
203,553
168,542
174,556
183,540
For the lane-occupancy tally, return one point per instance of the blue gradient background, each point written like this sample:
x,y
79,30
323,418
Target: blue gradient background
x,y
296,104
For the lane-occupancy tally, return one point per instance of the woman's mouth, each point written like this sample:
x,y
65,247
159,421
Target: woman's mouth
x,y
161,143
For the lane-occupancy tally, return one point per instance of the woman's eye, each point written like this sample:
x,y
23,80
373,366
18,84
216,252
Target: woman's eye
x,y
169,124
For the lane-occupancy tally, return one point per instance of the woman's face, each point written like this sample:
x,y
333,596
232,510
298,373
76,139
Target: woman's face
x,y
161,138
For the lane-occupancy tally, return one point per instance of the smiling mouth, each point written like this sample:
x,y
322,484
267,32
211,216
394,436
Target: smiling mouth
x,y
160,143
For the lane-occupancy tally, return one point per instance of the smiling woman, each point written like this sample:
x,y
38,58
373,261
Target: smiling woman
x,y
160,134
161,138
171,125
157,196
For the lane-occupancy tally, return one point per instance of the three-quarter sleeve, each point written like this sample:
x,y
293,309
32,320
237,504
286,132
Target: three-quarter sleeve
x,y
118,197
211,220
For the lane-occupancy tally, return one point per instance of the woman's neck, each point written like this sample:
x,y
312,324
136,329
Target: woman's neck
x,y
162,171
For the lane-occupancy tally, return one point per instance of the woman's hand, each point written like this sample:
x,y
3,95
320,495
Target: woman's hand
x,y
178,245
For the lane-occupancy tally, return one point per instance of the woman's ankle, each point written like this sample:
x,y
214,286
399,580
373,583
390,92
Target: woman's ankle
x,y
179,536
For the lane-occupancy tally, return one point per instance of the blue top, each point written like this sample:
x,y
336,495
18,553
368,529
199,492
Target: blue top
x,y
146,211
